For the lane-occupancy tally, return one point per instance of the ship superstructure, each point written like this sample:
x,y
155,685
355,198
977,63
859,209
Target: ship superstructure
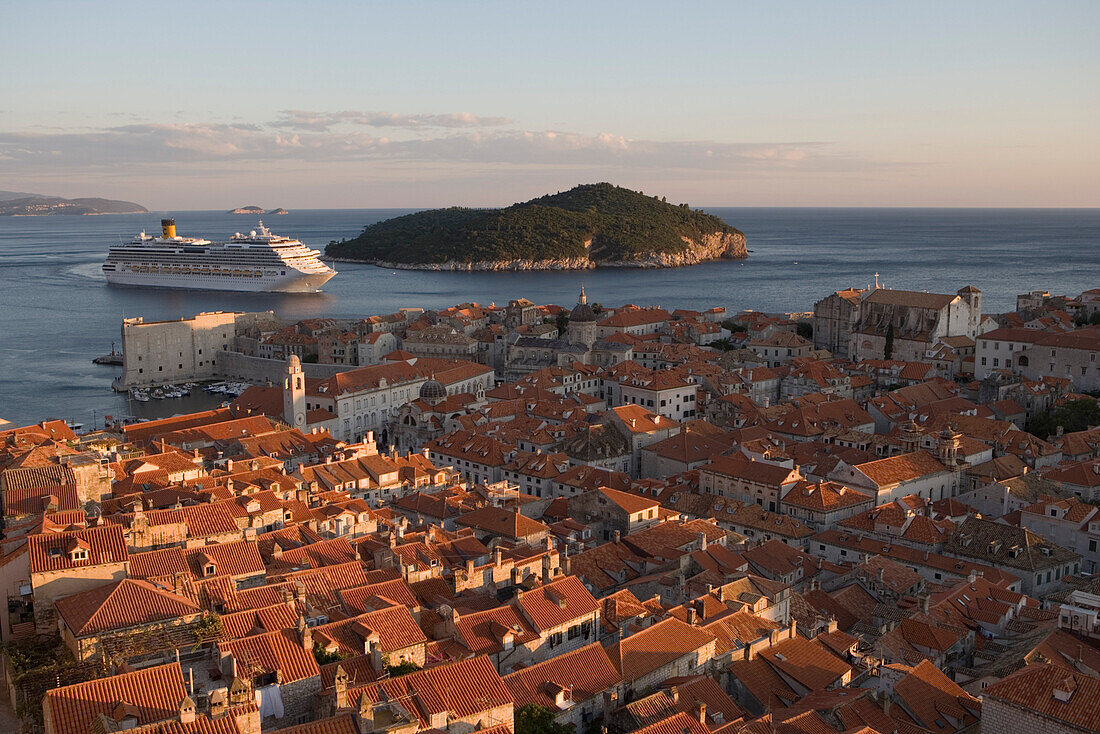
x,y
258,261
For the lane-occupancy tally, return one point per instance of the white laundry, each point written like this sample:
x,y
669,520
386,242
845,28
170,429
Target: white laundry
x,y
269,700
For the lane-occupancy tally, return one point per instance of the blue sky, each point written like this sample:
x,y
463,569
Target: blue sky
x,y
316,104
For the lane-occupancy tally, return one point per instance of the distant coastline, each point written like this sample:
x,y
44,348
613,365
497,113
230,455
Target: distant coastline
x,y
46,206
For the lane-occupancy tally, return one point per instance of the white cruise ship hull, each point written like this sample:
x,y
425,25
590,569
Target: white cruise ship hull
x,y
292,282
259,262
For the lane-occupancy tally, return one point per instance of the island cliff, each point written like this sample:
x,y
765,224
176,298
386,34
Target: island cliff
x,y
597,225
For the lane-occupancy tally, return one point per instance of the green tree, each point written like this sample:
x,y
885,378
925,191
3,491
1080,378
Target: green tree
x,y
804,329
530,718
562,321
888,353
1073,415
323,657
733,327
403,668
597,308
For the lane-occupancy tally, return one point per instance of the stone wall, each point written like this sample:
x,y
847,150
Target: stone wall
x,y
1003,718
258,370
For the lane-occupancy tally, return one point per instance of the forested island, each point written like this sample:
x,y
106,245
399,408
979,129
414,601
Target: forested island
x,y
593,225
34,205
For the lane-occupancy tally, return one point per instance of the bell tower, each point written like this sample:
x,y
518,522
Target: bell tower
x,y
294,394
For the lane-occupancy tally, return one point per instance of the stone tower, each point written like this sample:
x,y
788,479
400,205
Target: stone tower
x,y
582,323
973,298
950,441
294,394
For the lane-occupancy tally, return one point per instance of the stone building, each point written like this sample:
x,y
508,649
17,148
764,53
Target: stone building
x,y
912,321
834,317
159,352
440,340
1042,699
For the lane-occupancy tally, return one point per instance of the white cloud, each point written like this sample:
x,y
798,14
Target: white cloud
x,y
457,153
323,121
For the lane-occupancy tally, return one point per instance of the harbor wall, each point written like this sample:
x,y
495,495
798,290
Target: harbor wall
x,y
261,370
200,348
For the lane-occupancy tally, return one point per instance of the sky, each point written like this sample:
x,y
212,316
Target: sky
x,y
213,105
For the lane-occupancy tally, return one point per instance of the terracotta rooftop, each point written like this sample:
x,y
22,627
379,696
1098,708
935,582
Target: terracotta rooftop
x,y
151,695
582,673
122,604
656,646
557,603
462,689
280,650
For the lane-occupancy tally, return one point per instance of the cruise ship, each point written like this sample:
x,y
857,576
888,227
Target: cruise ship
x,y
258,261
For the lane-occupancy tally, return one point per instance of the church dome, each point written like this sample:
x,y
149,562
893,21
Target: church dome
x,y
433,389
582,312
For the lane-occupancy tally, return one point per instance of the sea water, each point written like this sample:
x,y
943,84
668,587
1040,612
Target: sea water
x,y
57,312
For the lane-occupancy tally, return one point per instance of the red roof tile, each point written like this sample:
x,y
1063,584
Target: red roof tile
x,y
152,694
103,545
125,603
273,651
556,603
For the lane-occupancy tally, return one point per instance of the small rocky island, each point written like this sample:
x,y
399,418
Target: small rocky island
x,y
247,210
34,205
593,225
280,210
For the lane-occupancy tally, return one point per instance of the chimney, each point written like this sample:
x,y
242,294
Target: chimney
x,y
218,703
376,656
366,713
305,635
972,576
616,536
498,556
340,681
187,710
925,601
701,712
702,540
693,616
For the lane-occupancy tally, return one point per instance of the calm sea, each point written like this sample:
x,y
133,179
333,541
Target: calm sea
x,y
57,313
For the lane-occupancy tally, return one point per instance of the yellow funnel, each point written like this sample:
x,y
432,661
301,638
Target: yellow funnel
x,y
168,228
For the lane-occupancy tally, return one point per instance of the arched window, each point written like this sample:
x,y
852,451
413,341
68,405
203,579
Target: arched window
x,y
1021,361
